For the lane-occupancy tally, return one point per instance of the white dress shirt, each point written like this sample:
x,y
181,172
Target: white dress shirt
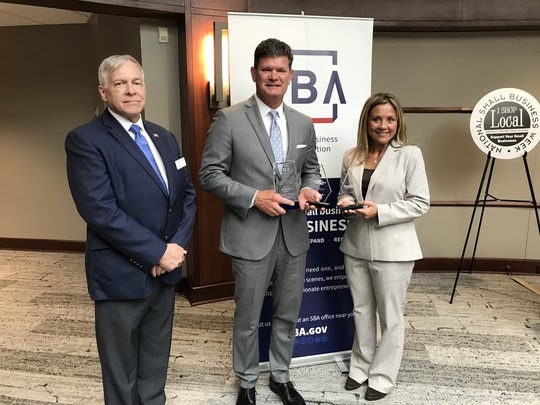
x,y
126,124
281,120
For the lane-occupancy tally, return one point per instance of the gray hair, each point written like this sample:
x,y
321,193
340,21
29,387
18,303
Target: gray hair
x,y
112,63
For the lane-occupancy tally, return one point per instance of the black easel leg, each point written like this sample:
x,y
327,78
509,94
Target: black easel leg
x,y
488,159
482,214
535,205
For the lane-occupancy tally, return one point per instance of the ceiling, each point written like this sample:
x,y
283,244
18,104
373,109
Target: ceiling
x,y
16,14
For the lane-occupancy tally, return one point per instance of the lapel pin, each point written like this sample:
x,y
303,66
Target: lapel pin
x,y
156,135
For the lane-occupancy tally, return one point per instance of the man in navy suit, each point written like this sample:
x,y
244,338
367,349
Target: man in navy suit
x,y
130,184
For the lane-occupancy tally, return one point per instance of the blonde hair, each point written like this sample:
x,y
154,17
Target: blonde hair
x,y
357,155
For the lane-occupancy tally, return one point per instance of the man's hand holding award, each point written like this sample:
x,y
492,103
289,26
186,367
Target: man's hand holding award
x,y
284,195
317,197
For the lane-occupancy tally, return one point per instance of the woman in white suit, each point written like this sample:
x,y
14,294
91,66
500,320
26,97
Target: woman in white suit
x,y
387,177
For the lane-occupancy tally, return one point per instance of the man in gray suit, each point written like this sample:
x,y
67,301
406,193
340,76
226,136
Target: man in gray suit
x,y
266,241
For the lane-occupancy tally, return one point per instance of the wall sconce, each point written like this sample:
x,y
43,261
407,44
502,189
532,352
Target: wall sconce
x,y
219,89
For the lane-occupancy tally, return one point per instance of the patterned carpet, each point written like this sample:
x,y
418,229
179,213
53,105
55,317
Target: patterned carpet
x,y
482,349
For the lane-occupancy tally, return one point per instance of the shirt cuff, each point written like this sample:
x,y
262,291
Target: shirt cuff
x,y
253,199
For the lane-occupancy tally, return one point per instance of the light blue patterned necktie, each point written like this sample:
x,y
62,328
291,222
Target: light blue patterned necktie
x,y
141,142
276,139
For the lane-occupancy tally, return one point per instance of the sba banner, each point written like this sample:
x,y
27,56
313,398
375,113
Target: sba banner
x,y
332,79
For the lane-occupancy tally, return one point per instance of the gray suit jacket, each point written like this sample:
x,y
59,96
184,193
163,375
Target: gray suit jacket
x,y
399,187
238,160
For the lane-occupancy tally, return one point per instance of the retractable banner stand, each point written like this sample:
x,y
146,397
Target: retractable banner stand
x,y
332,80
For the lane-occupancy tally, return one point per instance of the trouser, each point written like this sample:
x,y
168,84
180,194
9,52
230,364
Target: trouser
x,y
134,342
377,286
252,278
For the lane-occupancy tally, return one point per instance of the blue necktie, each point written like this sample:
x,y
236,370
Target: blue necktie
x,y
141,142
275,137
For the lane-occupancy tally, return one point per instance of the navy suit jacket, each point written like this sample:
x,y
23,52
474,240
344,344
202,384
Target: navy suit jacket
x,y
130,217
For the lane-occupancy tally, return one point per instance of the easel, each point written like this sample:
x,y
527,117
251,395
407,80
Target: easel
x,y
491,160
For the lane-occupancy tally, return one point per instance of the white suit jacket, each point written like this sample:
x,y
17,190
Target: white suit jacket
x,y
400,189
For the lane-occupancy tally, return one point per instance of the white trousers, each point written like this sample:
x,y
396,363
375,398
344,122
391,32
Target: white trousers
x,y
377,286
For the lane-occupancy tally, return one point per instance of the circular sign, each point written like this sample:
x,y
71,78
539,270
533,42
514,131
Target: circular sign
x,y
506,123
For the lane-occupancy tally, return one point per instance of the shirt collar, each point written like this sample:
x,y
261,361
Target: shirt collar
x,y
264,109
126,124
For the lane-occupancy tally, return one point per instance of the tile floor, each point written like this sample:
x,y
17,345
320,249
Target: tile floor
x,y
482,349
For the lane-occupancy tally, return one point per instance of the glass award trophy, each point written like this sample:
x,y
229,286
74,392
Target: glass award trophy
x,y
285,179
323,187
351,192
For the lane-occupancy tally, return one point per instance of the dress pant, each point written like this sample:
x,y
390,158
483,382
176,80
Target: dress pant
x,y
252,278
378,286
134,343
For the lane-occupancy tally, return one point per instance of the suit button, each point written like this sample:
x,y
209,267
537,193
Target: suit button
x,y
166,237
170,210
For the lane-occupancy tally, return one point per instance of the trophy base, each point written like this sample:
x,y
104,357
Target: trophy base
x,y
319,204
352,207
286,207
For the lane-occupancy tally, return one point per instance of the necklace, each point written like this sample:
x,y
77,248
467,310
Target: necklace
x,y
378,159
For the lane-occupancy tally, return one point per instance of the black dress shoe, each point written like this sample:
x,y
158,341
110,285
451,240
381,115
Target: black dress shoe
x,y
373,394
286,392
246,396
352,384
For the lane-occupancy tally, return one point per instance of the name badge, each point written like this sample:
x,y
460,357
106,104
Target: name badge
x,y
180,163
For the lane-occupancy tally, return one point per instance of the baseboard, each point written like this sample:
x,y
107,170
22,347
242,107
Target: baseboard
x,y
52,245
483,264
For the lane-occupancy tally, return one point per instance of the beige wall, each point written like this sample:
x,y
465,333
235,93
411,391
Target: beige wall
x,y
456,70
160,61
47,89
428,69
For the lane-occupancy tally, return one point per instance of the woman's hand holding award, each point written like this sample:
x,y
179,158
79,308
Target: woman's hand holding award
x,y
350,193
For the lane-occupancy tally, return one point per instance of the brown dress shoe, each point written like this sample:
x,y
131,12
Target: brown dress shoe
x,y
373,394
352,384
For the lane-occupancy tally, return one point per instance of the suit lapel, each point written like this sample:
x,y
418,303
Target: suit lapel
x,y
254,117
389,156
164,153
118,132
292,130
357,172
